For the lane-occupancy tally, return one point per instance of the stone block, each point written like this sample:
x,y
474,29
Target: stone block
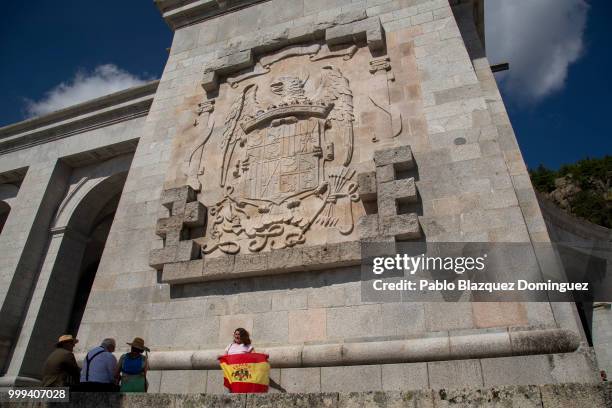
x,y
285,260
379,399
307,325
367,226
518,370
448,316
321,400
341,34
403,319
214,382
385,173
497,397
187,250
351,378
161,256
354,321
248,263
401,377
141,400
308,379
175,198
237,61
403,190
210,81
497,314
183,381
329,296
573,395
271,327
182,272
195,214
167,225
402,226
367,186
577,367
154,379
318,256
401,157
218,266
289,300
455,374
251,303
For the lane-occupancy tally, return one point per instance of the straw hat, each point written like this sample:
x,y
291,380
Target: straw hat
x,y
138,343
66,338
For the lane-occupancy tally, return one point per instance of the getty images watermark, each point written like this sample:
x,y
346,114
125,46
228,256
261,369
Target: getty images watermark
x,y
458,265
487,272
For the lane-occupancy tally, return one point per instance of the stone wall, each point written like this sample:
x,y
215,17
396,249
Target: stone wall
x,y
437,161
531,396
471,180
567,229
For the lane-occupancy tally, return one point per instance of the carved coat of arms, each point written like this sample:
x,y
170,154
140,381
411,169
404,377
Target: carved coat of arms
x,y
285,166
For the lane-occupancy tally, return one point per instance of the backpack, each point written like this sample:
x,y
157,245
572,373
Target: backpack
x,y
132,366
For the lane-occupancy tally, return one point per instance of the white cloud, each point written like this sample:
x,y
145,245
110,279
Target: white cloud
x,y
539,38
104,79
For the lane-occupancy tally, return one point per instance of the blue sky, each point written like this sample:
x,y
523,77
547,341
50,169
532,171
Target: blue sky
x,y
557,91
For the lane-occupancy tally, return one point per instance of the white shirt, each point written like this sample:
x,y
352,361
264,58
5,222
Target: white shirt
x,y
234,348
102,368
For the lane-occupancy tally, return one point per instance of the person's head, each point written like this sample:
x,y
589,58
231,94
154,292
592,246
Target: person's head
x,y
138,346
241,336
67,342
108,344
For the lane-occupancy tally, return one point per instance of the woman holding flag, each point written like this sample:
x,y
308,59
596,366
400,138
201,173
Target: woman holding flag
x,y
243,369
241,343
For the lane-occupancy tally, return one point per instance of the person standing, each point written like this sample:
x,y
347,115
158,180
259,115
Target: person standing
x,y
132,368
60,368
98,373
241,343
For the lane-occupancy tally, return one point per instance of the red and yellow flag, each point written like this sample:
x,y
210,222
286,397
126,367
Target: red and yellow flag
x,y
248,372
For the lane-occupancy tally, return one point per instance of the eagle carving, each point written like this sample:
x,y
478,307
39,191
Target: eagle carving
x,y
285,165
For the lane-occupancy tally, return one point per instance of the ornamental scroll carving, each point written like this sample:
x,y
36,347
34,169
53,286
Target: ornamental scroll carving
x,y
285,165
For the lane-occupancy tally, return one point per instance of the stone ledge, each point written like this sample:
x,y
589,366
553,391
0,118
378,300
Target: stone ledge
x,y
345,28
93,114
456,347
526,396
289,260
179,13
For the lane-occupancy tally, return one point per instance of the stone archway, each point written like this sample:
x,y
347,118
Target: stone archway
x,y
77,239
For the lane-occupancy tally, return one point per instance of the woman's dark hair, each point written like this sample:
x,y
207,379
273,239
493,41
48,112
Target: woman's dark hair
x,y
136,350
244,336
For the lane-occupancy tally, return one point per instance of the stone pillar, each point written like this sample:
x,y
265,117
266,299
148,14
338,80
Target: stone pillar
x,y
22,244
50,307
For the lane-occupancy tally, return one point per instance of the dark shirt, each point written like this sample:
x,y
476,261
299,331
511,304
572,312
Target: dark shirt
x,y
60,369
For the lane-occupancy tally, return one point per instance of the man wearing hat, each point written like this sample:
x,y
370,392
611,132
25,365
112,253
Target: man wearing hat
x,y
61,369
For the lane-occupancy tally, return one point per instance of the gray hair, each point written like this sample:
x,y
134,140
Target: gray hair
x,y
106,343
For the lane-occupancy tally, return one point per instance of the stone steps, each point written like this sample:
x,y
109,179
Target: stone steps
x,y
523,396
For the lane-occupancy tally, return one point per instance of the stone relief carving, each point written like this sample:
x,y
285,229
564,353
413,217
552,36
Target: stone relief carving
x,y
268,60
345,52
280,174
194,159
383,64
257,71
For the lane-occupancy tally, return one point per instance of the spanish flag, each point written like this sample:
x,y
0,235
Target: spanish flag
x,y
248,372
